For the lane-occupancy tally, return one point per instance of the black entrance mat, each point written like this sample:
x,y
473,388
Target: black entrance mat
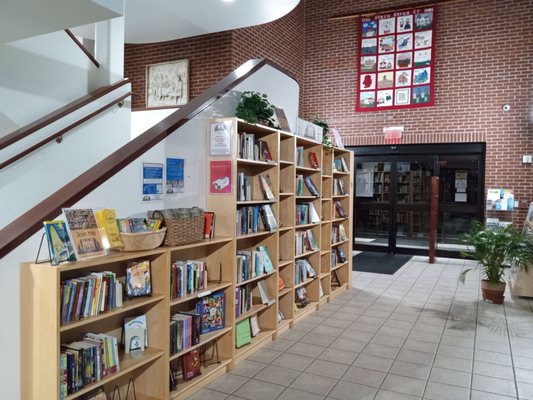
x,y
379,263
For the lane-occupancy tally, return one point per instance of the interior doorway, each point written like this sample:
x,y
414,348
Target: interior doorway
x,y
392,196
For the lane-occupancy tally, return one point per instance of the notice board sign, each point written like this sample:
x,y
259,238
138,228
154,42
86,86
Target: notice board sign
x,y
396,60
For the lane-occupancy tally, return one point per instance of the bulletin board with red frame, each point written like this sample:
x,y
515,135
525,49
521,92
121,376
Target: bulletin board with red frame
x,y
396,60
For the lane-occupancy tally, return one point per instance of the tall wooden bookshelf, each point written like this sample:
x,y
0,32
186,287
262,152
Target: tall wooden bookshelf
x,y
42,333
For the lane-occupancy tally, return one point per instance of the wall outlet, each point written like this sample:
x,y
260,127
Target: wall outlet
x,y
527,159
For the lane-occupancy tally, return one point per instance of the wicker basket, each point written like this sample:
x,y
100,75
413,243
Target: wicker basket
x,y
142,240
184,225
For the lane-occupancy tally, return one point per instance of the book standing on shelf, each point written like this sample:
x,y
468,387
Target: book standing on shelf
x,y
209,225
212,311
243,334
135,333
84,232
138,278
184,331
191,365
299,156
311,186
340,210
263,293
243,299
299,185
301,295
59,243
254,326
313,160
107,220
264,182
269,220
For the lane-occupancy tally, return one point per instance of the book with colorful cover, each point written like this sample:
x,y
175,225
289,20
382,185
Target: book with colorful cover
x,y
138,278
107,220
84,232
212,311
243,334
59,243
313,160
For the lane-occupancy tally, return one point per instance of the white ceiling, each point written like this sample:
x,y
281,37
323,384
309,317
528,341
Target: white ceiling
x,y
149,21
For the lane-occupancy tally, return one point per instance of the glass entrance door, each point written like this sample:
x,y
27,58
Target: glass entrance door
x,y
392,203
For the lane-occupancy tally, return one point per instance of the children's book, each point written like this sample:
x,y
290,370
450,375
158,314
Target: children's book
x,y
135,333
84,232
212,310
243,334
107,220
59,243
138,279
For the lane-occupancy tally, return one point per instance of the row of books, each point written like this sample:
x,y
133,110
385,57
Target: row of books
x,y
90,295
338,187
338,233
303,270
306,214
300,180
339,209
187,277
339,165
137,225
87,361
243,299
305,241
248,220
253,263
245,186
337,256
184,331
252,149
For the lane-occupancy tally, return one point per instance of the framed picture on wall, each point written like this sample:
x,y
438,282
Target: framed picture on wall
x,y
167,84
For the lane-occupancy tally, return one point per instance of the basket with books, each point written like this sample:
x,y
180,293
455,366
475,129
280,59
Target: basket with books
x,y
184,225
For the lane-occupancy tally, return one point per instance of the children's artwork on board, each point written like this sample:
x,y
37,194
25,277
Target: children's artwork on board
x,y
385,80
396,53
386,62
369,46
368,64
370,28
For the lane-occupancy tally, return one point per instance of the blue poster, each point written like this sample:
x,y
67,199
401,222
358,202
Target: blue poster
x,y
152,181
175,175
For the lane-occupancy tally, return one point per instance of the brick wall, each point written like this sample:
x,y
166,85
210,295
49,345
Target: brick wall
x,y
483,60
213,56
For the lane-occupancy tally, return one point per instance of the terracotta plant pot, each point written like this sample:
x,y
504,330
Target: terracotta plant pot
x,y
493,292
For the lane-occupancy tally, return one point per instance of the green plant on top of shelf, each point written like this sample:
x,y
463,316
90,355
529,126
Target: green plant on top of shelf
x,y
255,108
326,141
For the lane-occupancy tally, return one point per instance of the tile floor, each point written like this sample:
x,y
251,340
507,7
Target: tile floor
x,y
417,334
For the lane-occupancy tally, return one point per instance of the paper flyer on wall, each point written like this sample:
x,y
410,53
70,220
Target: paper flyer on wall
x,y
175,182
220,177
152,181
500,199
220,138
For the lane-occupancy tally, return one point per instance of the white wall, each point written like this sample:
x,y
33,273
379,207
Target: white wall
x,y
122,192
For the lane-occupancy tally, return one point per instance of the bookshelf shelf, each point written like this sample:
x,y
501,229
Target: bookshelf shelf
x,y
211,287
283,162
340,173
306,169
258,340
128,365
306,254
256,308
285,291
283,324
283,263
204,339
128,305
340,196
252,202
306,198
323,275
339,243
323,252
203,243
303,226
327,176
256,234
244,161
286,194
285,229
304,283
257,278
338,266
304,311
339,219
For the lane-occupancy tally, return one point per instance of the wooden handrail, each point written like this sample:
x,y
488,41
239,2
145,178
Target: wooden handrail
x,y
83,48
31,222
62,132
27,130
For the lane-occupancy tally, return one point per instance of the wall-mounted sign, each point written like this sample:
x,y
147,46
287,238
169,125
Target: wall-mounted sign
x,y
393,134
396,60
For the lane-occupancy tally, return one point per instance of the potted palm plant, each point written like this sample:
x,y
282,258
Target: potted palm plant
x,y
493,247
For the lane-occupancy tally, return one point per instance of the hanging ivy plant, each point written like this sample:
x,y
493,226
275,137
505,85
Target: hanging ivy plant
x,y
325,126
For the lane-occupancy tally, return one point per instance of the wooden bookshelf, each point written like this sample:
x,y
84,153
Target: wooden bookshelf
x,y
41,331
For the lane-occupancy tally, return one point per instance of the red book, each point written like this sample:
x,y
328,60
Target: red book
x,y
313,160
190,364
